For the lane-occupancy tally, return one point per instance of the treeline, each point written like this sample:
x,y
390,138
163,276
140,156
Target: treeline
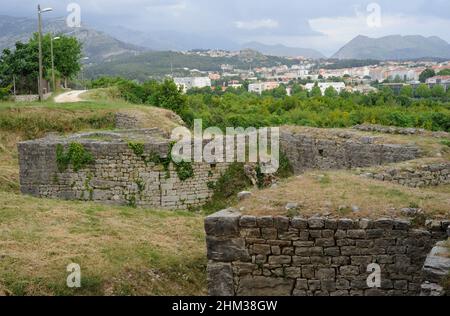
x,y
236,107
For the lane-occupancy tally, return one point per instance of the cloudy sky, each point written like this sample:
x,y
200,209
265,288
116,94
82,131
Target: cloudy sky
x,y
321,24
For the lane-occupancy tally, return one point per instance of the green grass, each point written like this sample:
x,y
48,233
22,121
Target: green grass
x,y
120,250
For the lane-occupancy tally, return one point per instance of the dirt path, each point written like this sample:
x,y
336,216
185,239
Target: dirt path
x,y
71,96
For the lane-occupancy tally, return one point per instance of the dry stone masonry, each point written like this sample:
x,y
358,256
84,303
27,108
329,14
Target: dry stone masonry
x,y
341,150
116,174
270,255
416,177
399,130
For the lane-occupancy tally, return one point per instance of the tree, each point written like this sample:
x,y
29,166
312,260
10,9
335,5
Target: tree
x,y
316,92
438,91
427,73
423,91
445,72
167,95
331,92
22,64
407,91
68,53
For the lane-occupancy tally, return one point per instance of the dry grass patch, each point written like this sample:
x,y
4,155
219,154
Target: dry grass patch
x,y
152,117
336,193
121,251
9,164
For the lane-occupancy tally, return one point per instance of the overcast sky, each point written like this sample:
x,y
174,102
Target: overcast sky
x,y
321,24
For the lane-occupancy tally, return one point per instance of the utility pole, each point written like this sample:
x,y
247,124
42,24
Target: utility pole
x,y
41,94
40,80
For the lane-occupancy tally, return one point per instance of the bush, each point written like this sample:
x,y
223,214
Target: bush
x,y
5,93
227,187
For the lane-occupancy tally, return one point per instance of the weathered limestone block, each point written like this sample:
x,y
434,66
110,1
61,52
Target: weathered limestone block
x,y
223,223
437,264
265,286
220,279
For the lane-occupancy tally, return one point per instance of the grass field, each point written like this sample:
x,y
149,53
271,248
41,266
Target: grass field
x,y
121,250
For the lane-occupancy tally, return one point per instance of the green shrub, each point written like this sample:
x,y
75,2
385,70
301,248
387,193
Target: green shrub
x,y
137,148
227,187
76,155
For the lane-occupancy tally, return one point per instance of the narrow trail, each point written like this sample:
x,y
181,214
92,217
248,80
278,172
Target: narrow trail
x,y
70,97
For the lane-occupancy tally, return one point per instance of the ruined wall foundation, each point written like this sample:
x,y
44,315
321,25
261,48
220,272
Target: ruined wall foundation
x,y
117,174
280,256
307,151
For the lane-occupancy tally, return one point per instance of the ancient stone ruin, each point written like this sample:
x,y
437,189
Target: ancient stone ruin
x,y
132,167
125,168
281,256
256,255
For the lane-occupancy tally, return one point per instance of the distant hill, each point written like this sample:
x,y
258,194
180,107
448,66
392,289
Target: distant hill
x,y
395,47
157,64
284,51
169,40
98,46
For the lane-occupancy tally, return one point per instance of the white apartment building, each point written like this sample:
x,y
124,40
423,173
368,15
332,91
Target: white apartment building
x,y
259,87
192,82
338,86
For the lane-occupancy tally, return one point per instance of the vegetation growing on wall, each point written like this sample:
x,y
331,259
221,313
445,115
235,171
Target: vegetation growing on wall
x,y
234,181
76,155
229,184
184,169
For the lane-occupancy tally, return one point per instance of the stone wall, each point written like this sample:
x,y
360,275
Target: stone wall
x,y
341,151
270,255
399,130
30,97
415,177
125,121
117,175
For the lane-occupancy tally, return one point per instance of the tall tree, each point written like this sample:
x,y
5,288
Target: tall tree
x,y
22,63
427,73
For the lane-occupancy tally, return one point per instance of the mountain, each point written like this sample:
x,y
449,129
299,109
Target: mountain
x,y
98,46
395,47
169,40
284,51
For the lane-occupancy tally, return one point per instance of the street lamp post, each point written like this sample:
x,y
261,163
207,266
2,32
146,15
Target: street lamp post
x,y
40,80
82,73
53,60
